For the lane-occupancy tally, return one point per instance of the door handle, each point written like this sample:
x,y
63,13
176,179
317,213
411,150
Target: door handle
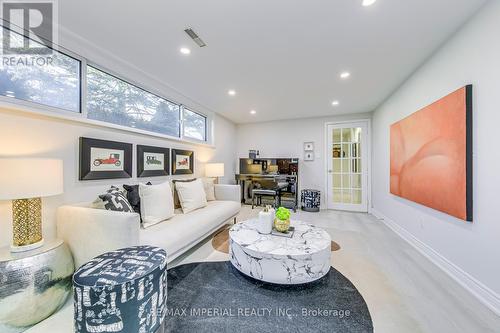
x,y
330,171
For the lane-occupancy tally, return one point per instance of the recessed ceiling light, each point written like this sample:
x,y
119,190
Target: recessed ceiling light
x,y
231,92
335,103
185,50
367,3
253,112
345,75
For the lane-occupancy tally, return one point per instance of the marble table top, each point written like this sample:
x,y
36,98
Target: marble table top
x,y
307,239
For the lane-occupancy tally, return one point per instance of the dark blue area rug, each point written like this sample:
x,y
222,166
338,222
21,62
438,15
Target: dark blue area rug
x,y
215,297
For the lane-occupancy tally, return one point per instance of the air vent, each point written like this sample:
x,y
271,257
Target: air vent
x,y
194,36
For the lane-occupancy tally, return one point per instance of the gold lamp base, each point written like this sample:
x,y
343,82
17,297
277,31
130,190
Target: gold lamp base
x,y
27,224
24,248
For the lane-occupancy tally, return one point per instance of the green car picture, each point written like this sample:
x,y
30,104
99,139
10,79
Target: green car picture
x,y
152,160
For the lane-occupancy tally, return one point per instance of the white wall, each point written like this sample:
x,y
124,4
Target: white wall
x,y
472,56
23,134
285,138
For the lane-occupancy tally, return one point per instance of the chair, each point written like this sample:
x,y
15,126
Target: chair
x,y
268,188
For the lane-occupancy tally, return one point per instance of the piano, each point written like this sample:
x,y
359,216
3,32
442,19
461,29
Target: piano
x,y
257,171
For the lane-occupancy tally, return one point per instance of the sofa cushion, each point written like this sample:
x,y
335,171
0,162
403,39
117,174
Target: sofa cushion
x,y
209,186
133,196
177,203
116,200
98,203
157,203
191,195
182,230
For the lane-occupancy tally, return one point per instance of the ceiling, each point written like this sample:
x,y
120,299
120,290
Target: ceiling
x,y
283,57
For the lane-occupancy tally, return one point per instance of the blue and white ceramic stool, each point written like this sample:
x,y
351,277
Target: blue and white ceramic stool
x,y
122,291
310,200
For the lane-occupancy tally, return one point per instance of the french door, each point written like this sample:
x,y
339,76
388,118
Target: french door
x,y
347,166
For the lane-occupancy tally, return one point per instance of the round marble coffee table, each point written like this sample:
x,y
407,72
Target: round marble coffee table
x,y
301,259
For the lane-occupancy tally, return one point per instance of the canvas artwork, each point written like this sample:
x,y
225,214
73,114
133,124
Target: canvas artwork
x,y
431,155
103,159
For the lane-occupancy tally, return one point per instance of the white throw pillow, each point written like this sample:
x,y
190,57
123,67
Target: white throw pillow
x,y
191,195
157,203
208,184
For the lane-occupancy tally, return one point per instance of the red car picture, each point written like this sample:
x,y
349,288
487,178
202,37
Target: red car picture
x,y
113,159
183,162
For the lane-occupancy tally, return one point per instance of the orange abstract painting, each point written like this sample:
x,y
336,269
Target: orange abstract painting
x,y
431,155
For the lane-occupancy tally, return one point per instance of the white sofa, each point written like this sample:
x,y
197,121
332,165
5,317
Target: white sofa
x,y
90,232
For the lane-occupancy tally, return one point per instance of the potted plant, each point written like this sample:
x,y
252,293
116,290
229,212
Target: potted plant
x,y
282,221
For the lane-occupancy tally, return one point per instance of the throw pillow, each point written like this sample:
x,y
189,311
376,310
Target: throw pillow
x,y
116,200
157,203
209,185
177,203
191,195
133,196
98,203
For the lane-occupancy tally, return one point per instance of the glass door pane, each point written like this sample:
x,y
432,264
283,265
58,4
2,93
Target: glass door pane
x,y
345,167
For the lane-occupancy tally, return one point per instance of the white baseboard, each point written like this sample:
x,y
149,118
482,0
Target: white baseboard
x,y
484,294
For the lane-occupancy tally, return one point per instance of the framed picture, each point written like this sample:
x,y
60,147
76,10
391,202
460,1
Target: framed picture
x,y
308,156
182,162
431,155
336,151
101,159
308,146
152,161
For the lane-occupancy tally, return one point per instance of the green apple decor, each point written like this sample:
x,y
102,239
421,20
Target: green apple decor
x,y
282,221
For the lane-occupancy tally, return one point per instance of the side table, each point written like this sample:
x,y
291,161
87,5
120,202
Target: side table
x,y
33,284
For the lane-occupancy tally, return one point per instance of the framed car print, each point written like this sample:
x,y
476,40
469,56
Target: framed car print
x,y
101,159
152,161
182,162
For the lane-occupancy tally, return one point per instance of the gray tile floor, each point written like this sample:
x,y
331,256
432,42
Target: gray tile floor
x,y
404,291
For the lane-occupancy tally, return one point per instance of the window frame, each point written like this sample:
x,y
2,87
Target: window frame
x,y
136,85
82,115
183,135
58,49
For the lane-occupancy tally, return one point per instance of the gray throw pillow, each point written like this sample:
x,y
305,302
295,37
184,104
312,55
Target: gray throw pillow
x,y
133,196
115,200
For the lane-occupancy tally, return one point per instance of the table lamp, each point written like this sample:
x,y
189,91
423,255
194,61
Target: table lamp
x,y
25,181
214,170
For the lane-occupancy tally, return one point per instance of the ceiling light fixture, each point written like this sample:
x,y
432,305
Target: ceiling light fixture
x,y
335,103
231,92
345,75
253,112
185,50
367,3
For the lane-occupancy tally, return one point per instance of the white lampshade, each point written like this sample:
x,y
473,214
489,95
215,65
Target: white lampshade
x,y
25,178
214,170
